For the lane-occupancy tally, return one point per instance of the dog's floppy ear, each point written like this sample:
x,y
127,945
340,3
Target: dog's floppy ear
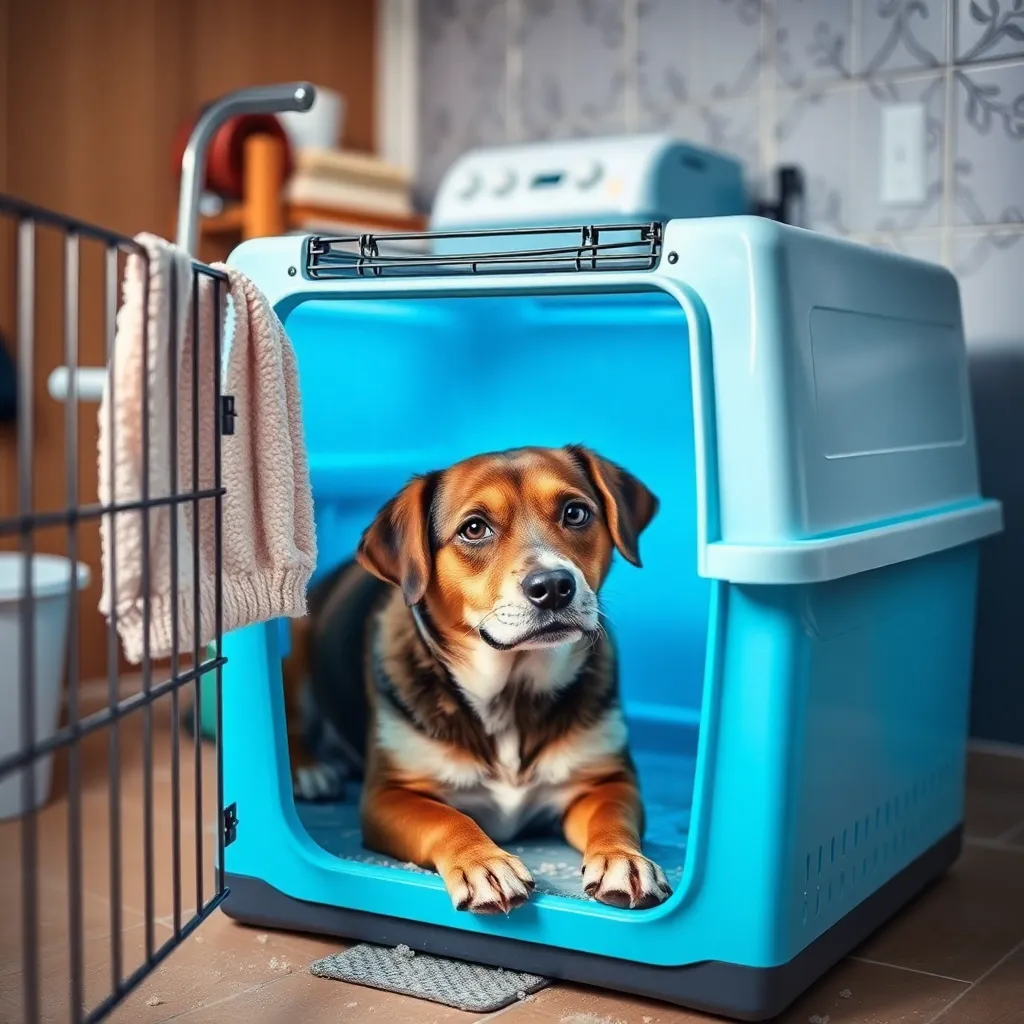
x,y
628,505
396,546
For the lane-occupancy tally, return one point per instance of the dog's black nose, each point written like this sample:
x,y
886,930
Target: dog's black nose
x,y
550,589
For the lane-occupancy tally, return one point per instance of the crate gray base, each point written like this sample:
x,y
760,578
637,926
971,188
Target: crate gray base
x,y
730,990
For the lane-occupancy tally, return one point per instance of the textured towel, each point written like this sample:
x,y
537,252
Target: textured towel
x,y
268,540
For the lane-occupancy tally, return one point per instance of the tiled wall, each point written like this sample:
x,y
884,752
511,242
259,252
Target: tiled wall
x,y
802,81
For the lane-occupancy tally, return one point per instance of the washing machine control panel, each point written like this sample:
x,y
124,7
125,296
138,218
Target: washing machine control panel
x,y
582,180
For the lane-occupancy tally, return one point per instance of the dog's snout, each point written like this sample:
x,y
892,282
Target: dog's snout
x,y
550,589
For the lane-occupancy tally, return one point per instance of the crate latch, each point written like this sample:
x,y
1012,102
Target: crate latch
x,y
230,824
227,414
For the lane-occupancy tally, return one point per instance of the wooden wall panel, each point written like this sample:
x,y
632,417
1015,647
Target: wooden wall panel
x,y
91,97
256,42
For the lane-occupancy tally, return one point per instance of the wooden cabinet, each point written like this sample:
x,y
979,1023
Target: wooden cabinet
x,y
92,93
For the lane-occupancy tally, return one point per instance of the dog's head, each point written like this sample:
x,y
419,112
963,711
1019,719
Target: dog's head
x,y
510,547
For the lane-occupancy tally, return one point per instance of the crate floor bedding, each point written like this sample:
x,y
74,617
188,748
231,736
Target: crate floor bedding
x,y
666,783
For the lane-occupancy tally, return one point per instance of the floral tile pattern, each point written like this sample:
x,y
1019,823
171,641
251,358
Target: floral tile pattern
x,y
901,35
813,130
987,29
573,68
872,99
664,72
674,68
463,46
989,164
732,66
812,41
769,82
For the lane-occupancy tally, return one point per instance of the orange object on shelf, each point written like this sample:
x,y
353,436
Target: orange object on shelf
x,y
264,174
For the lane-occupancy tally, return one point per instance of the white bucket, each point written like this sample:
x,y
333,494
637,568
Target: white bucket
x,y
320,127
51,586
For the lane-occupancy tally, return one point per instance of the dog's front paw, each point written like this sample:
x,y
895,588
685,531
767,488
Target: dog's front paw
x,y
486,881
624,878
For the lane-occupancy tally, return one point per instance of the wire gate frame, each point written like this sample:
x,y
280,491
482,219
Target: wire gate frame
x,y
586,247
26,218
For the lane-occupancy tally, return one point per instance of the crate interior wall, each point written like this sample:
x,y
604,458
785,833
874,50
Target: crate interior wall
x,y
795,653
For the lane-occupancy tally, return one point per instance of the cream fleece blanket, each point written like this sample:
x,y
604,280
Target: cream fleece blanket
x,y
268,542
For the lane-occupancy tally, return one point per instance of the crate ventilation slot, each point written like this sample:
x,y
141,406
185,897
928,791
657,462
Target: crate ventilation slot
x,y
587,248
845,867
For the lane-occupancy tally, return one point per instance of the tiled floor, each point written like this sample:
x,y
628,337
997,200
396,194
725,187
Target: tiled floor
x,y
957,955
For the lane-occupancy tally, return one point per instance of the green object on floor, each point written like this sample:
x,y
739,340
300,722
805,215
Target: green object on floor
x,y
208,688
208,702
207,705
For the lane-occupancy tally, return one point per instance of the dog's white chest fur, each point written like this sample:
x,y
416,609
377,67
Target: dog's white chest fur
x,y
503,799
503,803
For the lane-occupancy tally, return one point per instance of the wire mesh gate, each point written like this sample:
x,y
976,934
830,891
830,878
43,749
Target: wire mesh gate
x,y
125,725
85,935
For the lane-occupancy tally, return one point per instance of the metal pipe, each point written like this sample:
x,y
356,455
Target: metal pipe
x,y
26,285
113,647
88,382
76,991
264,99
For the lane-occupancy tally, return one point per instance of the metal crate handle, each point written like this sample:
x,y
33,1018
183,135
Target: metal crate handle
x,y
87,382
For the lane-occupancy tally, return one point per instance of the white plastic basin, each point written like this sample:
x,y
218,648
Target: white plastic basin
x,y
51,587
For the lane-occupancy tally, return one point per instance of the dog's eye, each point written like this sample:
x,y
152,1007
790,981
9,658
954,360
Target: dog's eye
x,y
576,514
474,529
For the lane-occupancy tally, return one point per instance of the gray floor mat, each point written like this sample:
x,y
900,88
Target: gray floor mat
x,y
454,983
667,785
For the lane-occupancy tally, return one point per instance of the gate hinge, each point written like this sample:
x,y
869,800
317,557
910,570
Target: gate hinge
x,y
227,414
230,824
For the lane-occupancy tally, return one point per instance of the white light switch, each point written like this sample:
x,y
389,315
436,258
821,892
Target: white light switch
x,y
903,154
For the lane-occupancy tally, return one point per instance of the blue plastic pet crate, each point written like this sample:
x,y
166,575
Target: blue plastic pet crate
x,y
796,651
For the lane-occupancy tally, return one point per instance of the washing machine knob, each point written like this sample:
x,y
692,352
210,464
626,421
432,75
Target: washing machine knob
x,y
468,185
587,174
501,181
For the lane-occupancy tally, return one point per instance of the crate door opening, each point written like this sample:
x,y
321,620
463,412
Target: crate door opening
x,y
393,388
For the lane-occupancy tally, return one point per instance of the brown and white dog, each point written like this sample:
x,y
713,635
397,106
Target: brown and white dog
x,y
489,703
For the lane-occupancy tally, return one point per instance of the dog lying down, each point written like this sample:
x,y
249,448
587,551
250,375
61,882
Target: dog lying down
x,y
461,666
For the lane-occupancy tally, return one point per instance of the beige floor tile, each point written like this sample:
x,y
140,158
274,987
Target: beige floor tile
x,y
962,926
227,972
96,771
301,997
53,860
53,917
995,794
164,867
51,846
860,993
573,1004
996,999
303,949
97,974
853,993
215,964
